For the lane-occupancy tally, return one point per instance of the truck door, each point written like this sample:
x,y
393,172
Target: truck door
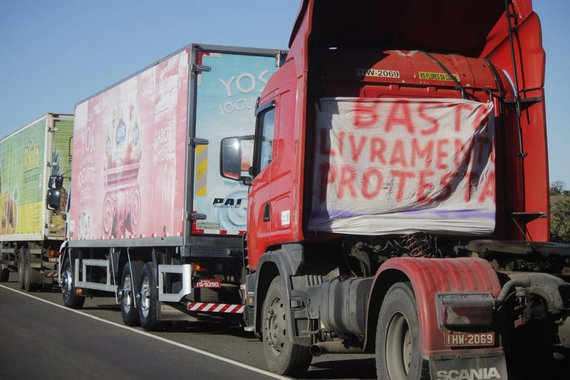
x,y
260,193
271,208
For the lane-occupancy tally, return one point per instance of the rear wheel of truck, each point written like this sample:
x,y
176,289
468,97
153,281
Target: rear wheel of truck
x,y
70,297
398,337
28,276
4,274
281,355
21,269
130,285
149,298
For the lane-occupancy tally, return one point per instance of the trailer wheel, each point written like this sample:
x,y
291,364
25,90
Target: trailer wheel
x,y
70,298
281,355
130,284
149,298
398,337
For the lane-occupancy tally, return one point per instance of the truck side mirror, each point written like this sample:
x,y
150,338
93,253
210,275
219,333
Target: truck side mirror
x,y
53,199
236,155
55,182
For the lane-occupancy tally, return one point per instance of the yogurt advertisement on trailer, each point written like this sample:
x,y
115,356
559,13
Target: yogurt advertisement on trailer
x,y
226,99
129,156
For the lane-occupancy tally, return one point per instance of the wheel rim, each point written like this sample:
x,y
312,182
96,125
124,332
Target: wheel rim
x,y
145,296
66,282
398,347
127,294
275,329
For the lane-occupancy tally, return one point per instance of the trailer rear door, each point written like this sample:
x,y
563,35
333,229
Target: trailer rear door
x,y
60,139
227,86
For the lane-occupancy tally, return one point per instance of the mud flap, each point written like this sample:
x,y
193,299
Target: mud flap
x,y
488,366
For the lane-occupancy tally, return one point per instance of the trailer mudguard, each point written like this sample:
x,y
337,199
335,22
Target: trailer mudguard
x,y
429,277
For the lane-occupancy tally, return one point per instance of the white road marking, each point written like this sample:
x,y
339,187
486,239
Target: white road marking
x,y
144,333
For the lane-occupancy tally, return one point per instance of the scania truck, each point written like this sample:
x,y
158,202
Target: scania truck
x,y
398,194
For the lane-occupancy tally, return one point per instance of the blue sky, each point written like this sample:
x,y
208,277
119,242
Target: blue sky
x,y
55,53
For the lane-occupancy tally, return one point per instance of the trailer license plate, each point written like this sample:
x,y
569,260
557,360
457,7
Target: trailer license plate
x,y
208,283
459,338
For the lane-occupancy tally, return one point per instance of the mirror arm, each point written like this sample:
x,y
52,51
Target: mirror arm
x,y
246,180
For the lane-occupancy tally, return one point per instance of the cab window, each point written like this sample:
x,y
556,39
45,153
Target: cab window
x,y
267,128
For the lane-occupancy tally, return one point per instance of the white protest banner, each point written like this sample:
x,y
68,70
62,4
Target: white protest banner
x,y
388,166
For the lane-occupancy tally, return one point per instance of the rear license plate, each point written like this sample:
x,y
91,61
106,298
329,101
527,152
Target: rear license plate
x,y
463,339
208,283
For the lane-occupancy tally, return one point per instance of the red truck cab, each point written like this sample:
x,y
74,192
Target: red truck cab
x,y
332,41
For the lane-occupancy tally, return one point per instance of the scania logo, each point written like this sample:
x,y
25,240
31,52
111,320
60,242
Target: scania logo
x,y
469,374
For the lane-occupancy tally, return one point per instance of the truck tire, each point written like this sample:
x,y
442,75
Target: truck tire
x,y
4,275
21,269
282,356
398,337
149,298
130,286
29,276
70,298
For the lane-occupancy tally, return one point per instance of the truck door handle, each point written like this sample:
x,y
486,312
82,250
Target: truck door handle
x,y
267,213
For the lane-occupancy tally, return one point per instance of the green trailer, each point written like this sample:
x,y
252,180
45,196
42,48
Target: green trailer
x,y
30,234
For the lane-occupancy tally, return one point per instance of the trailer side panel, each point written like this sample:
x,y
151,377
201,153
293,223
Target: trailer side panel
x,y
21,187
129,157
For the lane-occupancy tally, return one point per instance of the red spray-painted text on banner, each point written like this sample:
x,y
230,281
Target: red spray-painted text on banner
x,y
402,165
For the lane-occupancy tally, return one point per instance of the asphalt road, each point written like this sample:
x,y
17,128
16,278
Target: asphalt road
x,y
40,338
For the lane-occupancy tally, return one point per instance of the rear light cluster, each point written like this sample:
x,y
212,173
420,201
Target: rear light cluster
x,y
54,253
199,268
464,309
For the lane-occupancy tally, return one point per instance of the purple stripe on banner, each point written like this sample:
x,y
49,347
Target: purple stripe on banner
x,y
439,214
